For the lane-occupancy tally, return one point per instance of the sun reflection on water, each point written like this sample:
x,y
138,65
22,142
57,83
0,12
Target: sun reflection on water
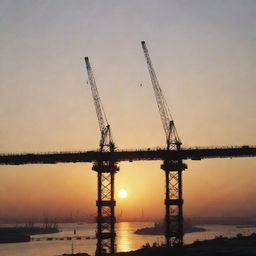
x,y
123,241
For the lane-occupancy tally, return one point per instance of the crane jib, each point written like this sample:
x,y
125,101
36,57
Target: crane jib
x,y
167,121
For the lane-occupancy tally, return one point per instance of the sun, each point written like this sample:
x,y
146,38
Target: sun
x,y
122,193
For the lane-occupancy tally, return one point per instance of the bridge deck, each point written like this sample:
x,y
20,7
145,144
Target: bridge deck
x,y
127,155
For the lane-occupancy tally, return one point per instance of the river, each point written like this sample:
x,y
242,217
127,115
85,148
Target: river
x,y
126,239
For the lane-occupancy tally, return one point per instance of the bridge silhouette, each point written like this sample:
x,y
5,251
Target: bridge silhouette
x,y
197,153
126,155
61,238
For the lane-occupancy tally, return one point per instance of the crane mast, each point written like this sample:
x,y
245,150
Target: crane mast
x,y
172,168
105,178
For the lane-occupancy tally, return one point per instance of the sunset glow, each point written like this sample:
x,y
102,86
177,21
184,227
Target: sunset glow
x,y
122,193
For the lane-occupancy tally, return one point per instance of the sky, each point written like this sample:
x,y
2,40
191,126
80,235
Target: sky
x,y
204,54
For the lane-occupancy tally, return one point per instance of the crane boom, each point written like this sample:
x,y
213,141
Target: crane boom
x,y
172,137
106,138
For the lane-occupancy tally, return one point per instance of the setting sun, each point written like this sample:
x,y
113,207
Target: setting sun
x,y
122,193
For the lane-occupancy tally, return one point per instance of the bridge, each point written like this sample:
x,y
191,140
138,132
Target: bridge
x,y
106,184
127,155
61,238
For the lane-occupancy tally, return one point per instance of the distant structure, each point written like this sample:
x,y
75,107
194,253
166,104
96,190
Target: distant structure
x,y
142,218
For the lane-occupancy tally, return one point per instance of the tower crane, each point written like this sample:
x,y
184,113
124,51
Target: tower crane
x,y
172,137
173,169
106,141
105,174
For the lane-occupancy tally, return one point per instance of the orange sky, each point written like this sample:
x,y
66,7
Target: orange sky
x,y
204,56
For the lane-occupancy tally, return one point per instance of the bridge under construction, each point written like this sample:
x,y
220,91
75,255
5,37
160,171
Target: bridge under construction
x,y
197,153
105,161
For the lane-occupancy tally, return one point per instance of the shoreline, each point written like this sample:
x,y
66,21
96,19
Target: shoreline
x,y
23,233
159,229
219,246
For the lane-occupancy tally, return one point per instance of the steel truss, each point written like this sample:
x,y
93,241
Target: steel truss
x,y
106,207
173,202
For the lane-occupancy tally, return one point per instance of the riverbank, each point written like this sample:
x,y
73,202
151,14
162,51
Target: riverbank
x,y
159,229
220,246
23,233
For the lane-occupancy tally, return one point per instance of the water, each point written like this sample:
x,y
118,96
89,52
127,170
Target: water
x,y
126,239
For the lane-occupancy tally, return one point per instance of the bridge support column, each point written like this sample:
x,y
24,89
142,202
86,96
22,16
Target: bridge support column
x,y
105,233
173,202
